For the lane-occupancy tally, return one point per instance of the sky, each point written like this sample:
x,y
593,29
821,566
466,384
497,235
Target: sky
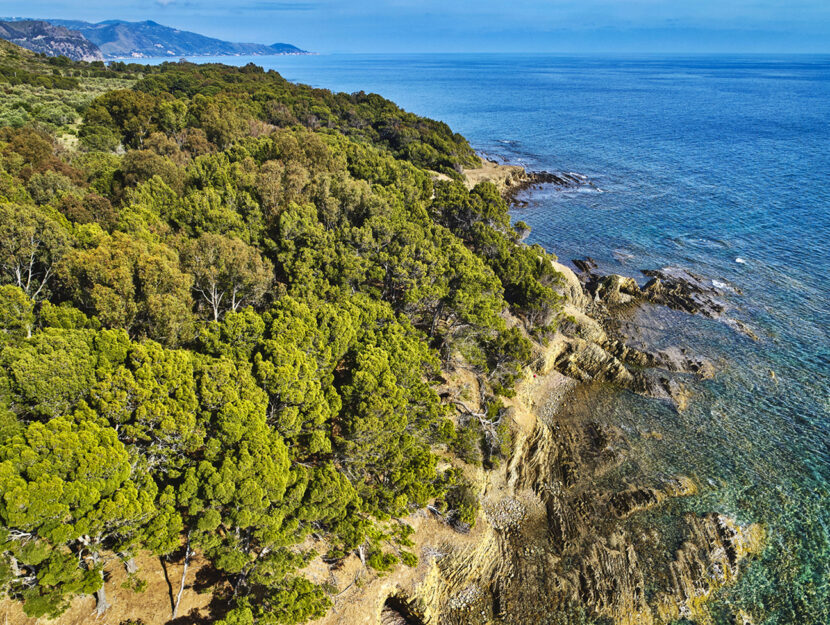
x,y
581,26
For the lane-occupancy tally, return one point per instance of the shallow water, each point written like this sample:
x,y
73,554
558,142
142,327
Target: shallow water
x,y
717,164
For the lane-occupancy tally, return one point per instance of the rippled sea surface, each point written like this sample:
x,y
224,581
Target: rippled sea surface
x,y
717,164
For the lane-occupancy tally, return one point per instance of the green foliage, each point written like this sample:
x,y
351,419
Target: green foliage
x,y
227,273
480,217
32,241
131,283
225,303
461,501
68,491
48,374
34,93
408,558
381,561
66,317
236,336
16,311
223,100
48,186
127,111
68,478
468,441
506,353
14,76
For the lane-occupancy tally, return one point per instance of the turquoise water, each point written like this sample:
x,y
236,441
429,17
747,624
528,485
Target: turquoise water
x,y
717,164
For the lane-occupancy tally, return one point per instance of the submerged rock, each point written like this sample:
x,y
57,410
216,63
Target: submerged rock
x,y
638,498
681,289
585,265
560,180
678,359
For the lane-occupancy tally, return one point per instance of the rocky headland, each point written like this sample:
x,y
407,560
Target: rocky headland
x,y
512,180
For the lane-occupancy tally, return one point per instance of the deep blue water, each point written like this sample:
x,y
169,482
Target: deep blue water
x,y
718,164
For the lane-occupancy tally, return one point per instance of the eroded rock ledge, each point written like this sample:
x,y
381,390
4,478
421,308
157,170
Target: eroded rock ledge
x,y
592,351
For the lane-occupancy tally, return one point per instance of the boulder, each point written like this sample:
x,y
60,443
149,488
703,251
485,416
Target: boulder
x,y
614,290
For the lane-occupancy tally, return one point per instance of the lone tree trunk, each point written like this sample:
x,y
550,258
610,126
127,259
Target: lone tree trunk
x,y
101,605
435,318
188,552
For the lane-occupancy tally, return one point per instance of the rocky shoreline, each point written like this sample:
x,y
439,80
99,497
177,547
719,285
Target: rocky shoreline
x,y
674,287
558,539
512,180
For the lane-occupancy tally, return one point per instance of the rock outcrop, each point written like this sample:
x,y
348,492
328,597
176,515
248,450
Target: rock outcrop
x,y
562,541
673,287
680,289
511,180
586,352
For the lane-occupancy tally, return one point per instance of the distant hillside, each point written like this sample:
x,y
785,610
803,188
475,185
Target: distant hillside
x,y
119,39
50,39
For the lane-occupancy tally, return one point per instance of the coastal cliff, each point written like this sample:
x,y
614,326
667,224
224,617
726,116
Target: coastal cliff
x,y
560,537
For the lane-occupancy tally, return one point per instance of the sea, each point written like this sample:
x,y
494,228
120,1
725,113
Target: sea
x,y
717,164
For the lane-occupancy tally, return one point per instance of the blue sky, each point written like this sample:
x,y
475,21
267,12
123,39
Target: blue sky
x,y
478,26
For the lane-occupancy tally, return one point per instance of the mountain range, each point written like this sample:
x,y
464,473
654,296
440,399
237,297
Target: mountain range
x,y
117,39
50,39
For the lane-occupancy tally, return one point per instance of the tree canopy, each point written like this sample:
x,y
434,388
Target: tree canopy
x,y
226,304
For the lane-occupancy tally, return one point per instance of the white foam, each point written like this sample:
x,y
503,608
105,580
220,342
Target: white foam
x,y
740,260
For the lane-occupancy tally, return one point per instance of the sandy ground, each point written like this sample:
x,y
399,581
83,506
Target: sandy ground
x,y
152,607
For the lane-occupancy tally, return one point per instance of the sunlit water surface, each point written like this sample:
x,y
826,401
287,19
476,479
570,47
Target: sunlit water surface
x,y
718,164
